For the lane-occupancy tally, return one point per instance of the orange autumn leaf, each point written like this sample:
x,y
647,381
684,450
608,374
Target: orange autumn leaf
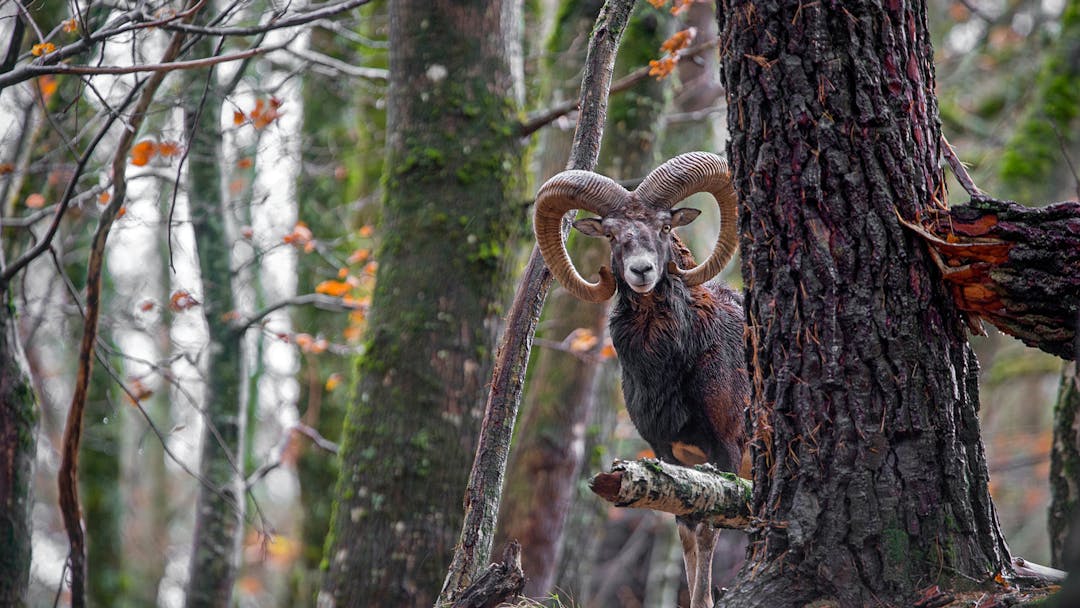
x,y
608,351
366,231
663,67
657,3
104,197
120,212
300,236
333,288
581,340
359,256
679,6
6,168
245,163
47,84
42,48
146,305
35,201
182,300
138,390
238,117
237,185
168,148
679,40
333,382
71,26
309,344
142,152
342,273
371,267
646,454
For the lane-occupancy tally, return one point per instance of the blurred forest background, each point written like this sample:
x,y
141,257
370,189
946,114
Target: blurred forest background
x,y
261,202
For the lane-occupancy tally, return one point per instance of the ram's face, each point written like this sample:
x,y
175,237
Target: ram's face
x,y
640,243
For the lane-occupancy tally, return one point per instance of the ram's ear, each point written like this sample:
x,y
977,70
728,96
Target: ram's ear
x,y
682,217
590,226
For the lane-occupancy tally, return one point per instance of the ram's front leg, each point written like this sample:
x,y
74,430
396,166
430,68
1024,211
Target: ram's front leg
x,y
698,541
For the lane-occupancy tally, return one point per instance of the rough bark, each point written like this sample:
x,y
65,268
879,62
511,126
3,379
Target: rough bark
x,y
870,477
1064,511
18,436
701,493
489,465
219,511
1013,266
453,180
498,584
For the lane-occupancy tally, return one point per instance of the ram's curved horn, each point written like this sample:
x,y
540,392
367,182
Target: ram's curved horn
x,y
688,174
566,191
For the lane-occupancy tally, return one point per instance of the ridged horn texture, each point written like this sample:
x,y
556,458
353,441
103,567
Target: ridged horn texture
x,y
688,174
564,192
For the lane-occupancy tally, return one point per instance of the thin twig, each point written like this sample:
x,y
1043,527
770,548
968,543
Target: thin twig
x,y
301,19
191,64
959,170
318,300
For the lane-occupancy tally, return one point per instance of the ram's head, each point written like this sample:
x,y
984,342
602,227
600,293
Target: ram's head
x,y
637,224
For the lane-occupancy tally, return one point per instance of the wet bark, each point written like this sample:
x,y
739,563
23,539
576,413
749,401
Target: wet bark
x,y
870,477
451,217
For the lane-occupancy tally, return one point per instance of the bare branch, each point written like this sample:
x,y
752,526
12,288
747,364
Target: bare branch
x,y
318,300
253,30
341,66
91,70
550,115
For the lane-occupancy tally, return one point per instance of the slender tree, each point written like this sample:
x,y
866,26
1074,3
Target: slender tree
x,y
220,506
451,213
867,456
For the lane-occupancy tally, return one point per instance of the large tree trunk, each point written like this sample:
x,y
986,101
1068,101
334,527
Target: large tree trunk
x,y
18,435
870,477
452,212
219,511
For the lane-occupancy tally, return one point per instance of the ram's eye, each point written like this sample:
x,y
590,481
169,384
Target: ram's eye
x,y
609,236
666,229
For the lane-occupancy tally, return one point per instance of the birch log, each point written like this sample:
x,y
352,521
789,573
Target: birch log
x,y
721,499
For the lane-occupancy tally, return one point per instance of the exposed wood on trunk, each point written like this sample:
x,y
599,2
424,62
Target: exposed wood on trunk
x,y
721,499
1016,267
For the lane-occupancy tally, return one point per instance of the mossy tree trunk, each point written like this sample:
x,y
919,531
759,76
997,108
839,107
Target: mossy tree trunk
x,y
219,511
542,484
343,133
18,435
451,214
870,476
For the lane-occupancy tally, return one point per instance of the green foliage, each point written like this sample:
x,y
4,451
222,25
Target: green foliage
x,y
1034,151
